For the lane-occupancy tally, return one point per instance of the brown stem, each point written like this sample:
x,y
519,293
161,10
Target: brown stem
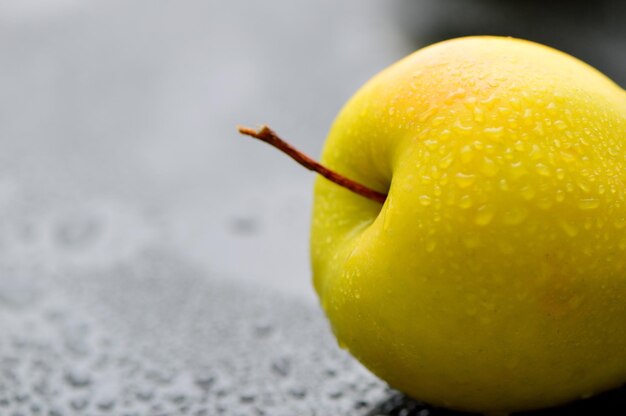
x,y
269,136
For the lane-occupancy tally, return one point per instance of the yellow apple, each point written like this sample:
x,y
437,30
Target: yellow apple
x,y
493,277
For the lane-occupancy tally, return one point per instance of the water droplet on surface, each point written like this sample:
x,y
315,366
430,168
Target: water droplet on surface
x,y
204,379
78,378
105,404
298,392
145,394
79,403
77,232
247,397
335,394
281,366
244,226
262,330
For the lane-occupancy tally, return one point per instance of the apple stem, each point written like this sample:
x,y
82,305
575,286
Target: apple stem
x,y
267,135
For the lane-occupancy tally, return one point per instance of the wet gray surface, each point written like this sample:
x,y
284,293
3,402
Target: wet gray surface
x,y
153,262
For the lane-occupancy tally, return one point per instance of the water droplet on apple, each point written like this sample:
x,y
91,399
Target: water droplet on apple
x,y
425,200
516,170
431,144
425,115
561,125
446,161
588,203
544,203
479,115
445,133
465,202
466,154
461,128
494,132
527,192
620,223
455,95
465,180
584,187
489,167
484,215
542,169
569,228
567,156
430,246
506,247
471,241
437,121
515,215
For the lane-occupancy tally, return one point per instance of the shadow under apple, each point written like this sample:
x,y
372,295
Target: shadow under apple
x,y
612,402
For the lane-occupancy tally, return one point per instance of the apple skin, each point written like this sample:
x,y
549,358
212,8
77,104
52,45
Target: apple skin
x,y
493,279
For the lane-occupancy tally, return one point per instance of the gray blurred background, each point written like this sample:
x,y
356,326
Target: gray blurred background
x,y
154,261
